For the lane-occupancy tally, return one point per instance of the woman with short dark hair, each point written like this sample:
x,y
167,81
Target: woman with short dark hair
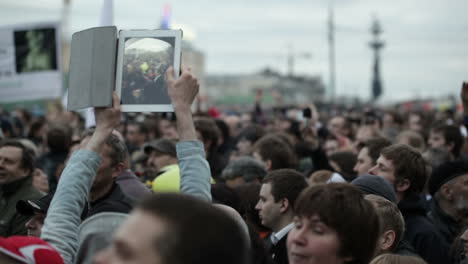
x,y
334,224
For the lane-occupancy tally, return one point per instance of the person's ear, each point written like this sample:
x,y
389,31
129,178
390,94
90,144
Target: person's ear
x,y
386,240
118,168
25,172
450,146
284,206
208,144
446,192
403,185
268,165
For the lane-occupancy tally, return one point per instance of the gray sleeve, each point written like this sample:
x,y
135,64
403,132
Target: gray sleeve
x,y
63,217
195,175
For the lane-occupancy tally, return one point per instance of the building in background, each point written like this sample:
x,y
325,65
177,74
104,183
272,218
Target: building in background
x,y
227,91
194,58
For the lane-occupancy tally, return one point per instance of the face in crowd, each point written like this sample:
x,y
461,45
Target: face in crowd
x,y
133,244
436,140
312,241
171,229
329,225
11,167
106,172
384,168
277,197
269,210
158,160
364,162
35,224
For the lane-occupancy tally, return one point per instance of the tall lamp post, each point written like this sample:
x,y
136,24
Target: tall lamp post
x,y
331,55
376,45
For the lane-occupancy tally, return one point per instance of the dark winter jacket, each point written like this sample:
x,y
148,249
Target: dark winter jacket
x,y
421,233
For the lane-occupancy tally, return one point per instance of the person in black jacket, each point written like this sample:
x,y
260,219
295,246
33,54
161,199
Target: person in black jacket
x,y
449,207
105,194
210,135
392,227
155,90
406,169
277,196
59,139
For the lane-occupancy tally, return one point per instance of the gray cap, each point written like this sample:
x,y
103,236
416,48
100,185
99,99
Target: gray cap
x,y
164,146
95,234
246,167
371,184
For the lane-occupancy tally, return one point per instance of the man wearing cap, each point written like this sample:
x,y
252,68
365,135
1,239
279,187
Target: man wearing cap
x,y
378,186
162,158
16,167
449,209
36,210
243,170
371,184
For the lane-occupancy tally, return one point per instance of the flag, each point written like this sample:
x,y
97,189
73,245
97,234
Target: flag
x,y
166,19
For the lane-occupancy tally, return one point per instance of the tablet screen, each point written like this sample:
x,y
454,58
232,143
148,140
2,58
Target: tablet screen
x,y
145,61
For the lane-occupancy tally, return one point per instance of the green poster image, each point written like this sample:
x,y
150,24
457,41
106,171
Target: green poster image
x,y
35,50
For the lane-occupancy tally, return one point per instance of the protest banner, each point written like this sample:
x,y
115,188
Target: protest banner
x,y
30,62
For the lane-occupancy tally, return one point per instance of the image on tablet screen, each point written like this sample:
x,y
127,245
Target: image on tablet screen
x,y
145,62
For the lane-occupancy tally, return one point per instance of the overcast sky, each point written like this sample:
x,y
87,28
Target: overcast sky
x,y
426,52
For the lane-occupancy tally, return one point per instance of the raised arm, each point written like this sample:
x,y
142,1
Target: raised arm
x,y
195,172
63,217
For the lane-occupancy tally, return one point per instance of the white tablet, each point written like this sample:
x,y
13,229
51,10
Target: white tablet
x,y
143,57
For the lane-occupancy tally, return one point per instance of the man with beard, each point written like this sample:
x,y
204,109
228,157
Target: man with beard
x,y
449,208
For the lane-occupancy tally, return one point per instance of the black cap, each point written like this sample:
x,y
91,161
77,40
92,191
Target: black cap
x,y
28,207
371,184
446,172
164,146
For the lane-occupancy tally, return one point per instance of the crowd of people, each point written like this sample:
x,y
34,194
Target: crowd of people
x,y
143,80
299,185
